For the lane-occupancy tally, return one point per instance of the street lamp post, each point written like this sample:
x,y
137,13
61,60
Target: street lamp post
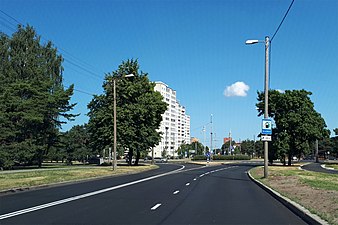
x,y
266,95
115,126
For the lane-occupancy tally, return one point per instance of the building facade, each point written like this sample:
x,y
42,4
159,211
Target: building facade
x,y
175,125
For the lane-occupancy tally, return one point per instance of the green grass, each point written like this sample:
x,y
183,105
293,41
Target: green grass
x,y
15,180
321,181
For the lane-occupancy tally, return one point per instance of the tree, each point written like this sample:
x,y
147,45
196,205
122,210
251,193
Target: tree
x,y
76,144
334,141
248,147
185,149
297,122
139,112
33,100
225,147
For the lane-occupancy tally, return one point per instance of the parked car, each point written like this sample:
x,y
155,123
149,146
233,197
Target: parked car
x,y
147,158
160,160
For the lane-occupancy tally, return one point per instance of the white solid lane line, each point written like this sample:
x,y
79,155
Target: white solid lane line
x,y
156,206
176,192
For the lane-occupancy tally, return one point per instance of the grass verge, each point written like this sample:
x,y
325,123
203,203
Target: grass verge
x,y
318,192
28,179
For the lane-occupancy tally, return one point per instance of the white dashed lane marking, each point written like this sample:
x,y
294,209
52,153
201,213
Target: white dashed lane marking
x,y
176,192
155,206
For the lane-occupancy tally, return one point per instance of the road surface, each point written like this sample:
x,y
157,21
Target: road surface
x,y
191,195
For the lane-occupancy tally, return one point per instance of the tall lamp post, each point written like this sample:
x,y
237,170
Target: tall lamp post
x,y
115,127
266,95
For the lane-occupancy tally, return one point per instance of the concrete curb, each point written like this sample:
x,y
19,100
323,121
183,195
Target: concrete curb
x,y
327,168
296,208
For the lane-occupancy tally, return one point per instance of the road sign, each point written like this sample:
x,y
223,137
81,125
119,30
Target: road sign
x,y
266,126
266,138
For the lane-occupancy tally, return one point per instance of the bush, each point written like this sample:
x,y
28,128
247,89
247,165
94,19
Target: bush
x,y
222,157
231,157
199,157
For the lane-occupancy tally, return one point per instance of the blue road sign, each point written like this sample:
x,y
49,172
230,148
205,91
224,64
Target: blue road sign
x,y
266,126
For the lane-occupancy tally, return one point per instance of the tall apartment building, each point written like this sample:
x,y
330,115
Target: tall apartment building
x,y
175,125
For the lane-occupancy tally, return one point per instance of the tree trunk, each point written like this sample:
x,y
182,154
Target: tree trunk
x,y
130,157
289,159
138,154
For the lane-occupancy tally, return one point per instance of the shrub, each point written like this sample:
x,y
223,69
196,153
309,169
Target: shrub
x,y
222,157
199,157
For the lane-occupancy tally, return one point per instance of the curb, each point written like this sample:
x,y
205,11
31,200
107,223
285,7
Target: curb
x,y
327,168
296,208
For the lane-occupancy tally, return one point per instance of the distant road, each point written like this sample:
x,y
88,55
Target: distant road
x,y
194,195
316,167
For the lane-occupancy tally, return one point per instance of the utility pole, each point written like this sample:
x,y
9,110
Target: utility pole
x,y
316,155
266,102
115,130
254,147
230,142
204,140
266,96
211,134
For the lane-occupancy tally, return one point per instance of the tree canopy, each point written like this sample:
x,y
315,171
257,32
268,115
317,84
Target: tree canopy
x,y
33,101
139,112
297,122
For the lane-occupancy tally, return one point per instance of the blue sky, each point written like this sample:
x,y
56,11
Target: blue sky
x,y
197,48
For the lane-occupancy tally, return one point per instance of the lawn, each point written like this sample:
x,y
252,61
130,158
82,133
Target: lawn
x,y
318,192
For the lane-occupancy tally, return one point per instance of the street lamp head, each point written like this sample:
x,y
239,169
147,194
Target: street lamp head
x,y
251,42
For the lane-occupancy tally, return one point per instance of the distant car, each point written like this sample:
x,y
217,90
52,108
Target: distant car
x,y
132,159
160,160
147,158
331,158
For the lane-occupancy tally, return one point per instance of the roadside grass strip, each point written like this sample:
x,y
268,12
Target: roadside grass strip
x,y
315,191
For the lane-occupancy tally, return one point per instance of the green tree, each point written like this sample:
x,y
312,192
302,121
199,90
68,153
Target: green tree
x,y
225,147
33,100
76,144
185,149
139,112
248,147
334,141
297,122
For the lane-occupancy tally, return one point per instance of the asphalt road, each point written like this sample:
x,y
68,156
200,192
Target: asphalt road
x,y
316,167
194,195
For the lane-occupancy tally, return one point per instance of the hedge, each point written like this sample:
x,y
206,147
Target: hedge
x,y
222,157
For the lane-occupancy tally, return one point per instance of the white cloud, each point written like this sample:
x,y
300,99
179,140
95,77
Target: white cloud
x,y
237,89
281,91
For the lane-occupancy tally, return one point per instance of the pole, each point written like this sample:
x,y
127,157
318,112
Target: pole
x,y
316,155
266,102
211,151
230,142
152,156
204,140
115,136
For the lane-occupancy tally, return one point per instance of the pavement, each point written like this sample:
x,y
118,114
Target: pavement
x,y
317,167
192,194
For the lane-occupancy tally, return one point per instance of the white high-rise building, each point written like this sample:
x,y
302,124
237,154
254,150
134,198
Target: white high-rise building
x,y
175,125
